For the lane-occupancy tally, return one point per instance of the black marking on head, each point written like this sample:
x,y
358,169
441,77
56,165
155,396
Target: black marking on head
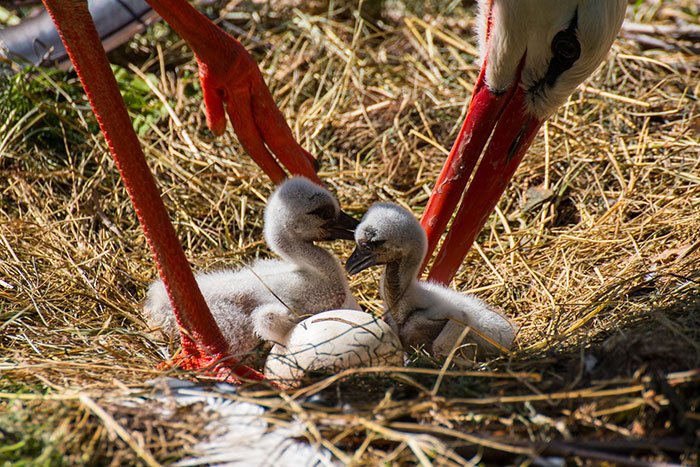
x,y
316,195
325,212
370,233
566,50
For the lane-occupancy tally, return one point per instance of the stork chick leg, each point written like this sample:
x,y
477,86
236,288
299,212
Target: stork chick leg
x,y
273,322
231,79
203,344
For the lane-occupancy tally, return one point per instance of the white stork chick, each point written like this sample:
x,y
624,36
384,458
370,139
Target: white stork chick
x,y
422,313
266,299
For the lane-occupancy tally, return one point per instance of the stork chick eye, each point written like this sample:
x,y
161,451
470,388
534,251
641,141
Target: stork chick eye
x,y
566,47
372,244
325,213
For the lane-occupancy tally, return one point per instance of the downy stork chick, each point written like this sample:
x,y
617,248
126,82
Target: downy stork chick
x,y
422,313
266,299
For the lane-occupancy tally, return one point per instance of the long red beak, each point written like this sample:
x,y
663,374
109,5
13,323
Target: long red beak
x,y
498,127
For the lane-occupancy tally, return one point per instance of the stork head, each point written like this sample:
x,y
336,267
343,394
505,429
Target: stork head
x,y
533,55
388,233
545,47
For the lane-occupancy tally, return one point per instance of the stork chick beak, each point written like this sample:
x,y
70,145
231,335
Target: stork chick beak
x,y
361,259
499,127
341,228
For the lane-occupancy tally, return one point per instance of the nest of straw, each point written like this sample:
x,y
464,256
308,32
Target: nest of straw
x,y
593,250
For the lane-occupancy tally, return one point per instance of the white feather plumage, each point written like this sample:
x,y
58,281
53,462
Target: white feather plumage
x,y
525,28
418,310
266,299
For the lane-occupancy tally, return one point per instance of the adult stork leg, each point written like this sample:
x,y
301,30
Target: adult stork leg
x,y
203,344
526,74
231,79
460,163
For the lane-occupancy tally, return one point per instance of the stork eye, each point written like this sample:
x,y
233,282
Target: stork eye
x,y
372,244
325,213
566,46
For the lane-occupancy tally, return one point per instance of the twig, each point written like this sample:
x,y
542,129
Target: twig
x,y
115,427
484,442
690,32
558,448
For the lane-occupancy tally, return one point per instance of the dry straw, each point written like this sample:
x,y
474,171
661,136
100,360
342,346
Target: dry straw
x,y
593,251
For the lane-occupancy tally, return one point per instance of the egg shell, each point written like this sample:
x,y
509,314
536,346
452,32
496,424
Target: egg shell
x,y
332,341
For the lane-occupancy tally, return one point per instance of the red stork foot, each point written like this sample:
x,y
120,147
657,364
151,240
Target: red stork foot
x,y
218,367
234,86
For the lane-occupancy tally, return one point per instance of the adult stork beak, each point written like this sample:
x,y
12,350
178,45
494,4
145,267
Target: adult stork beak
x,y
499,127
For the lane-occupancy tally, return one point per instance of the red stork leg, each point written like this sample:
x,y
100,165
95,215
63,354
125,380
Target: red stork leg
x,y
497,126
203,344
230,78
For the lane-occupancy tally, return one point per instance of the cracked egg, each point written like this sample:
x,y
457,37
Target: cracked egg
x,y
330,342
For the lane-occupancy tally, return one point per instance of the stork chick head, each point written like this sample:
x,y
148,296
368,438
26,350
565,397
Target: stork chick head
x,y
302,210
387,233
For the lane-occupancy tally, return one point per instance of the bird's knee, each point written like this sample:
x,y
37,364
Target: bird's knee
x,y
158,311
273,322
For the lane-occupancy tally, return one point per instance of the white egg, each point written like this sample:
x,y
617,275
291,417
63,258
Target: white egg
x,y
332,341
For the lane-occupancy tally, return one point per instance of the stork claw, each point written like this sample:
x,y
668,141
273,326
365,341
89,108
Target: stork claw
x,y
221,369
259,124
232,84
239,90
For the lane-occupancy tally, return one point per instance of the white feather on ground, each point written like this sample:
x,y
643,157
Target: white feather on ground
x,y
238,433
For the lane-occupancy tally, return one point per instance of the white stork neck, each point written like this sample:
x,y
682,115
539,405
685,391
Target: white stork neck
x,y
305,254
397,285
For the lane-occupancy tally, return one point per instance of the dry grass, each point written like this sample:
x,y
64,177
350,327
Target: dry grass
x,y
594,249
